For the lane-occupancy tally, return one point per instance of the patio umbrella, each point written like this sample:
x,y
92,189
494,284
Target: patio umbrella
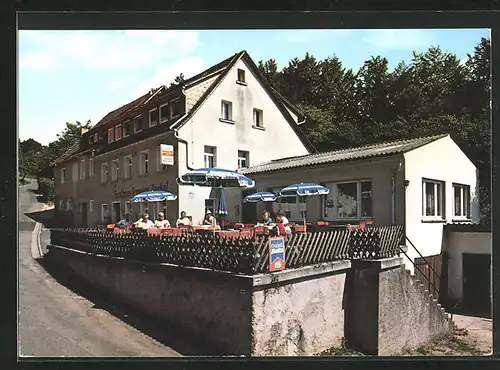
x,y
215,178
263,196
221,208
303,190
154,196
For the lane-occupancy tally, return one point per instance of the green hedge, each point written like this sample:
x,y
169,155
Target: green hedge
x,y
46,188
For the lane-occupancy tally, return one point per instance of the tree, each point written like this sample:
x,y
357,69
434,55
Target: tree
x,y
179,80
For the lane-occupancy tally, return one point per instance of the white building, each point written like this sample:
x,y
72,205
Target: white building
x,y
421,183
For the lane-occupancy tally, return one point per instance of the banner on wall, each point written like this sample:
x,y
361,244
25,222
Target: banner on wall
x,y
167,154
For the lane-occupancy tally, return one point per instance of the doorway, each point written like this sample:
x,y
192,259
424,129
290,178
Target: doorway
x,y
477,283
116,211
248,210
84,215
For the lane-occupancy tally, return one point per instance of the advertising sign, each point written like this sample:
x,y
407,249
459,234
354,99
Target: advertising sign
x,y
167,154
276,254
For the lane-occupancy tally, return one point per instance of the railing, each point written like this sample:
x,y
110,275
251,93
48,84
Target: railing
x,y
247,255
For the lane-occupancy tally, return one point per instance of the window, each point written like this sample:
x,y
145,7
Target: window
x,y
258,118
96,137
111,135
351,200
433,199
138,124
144,163
295,208
91,139
210,156
91,167
101,135
75,172
61,205
226,111
118,132
104,173
82,169
160,167
104,213
461,201
176,108
127,128
91,206
164,113
153,117
68,205
115,170
63,175
128,167
241,75
128,208
243,159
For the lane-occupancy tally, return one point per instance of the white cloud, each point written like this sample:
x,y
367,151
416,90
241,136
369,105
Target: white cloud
x,y
165,74
36,60
110,49
119,84
397,39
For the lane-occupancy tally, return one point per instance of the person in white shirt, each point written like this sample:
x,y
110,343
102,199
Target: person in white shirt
x,y
281,218
144,222
162,223
209,219
183,220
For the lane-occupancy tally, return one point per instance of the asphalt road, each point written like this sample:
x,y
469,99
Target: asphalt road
x,y
55,321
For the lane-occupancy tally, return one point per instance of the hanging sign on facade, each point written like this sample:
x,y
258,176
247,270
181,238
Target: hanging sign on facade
x,y
167,154
276,254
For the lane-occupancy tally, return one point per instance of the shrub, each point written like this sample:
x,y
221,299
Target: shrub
x,y
46,188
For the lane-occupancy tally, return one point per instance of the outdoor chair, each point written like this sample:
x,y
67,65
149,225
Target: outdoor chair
x,y
247,233
300,229
239,225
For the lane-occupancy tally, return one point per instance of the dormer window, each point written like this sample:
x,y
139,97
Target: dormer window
x,y
111,135
164,113
118,132
176,108
127,128
241,77
96,137
153,117
137,124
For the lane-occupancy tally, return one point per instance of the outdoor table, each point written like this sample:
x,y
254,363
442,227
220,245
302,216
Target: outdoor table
x,y
206,228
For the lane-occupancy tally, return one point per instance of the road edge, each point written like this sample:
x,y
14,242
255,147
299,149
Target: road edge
x,y
36,248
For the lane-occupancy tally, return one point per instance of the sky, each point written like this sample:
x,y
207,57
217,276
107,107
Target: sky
x,y
68,76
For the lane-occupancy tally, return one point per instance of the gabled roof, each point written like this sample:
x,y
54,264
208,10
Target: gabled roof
x,y
75,148
280,101
368,151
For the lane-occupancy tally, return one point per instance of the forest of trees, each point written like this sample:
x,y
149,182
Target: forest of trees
x,y
435,93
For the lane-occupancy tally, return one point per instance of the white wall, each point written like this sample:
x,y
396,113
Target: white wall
x,y
440,160
458,243
278,140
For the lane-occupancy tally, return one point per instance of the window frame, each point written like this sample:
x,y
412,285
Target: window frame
x,y
212,155
465,199
173,104
439,196
245,157
128,206
334,192
118,128
91,167
230,111
103,217
81,170
91,205
69,205
258,113
241,72
74,171
140,126
128,167
159,113
63,175
149,117
111,138
104,173
129,122
142,167
115,170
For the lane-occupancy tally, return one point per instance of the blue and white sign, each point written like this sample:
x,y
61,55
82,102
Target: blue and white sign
x,y
277,260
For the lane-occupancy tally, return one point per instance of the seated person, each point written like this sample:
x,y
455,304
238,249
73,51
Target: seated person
x,y
281,219
266,218
183,220
161,222
144,222
125,222
209,219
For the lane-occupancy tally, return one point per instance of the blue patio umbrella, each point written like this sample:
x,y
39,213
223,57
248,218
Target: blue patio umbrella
x,y
154,196
263,196
215,178
221,209
303,190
